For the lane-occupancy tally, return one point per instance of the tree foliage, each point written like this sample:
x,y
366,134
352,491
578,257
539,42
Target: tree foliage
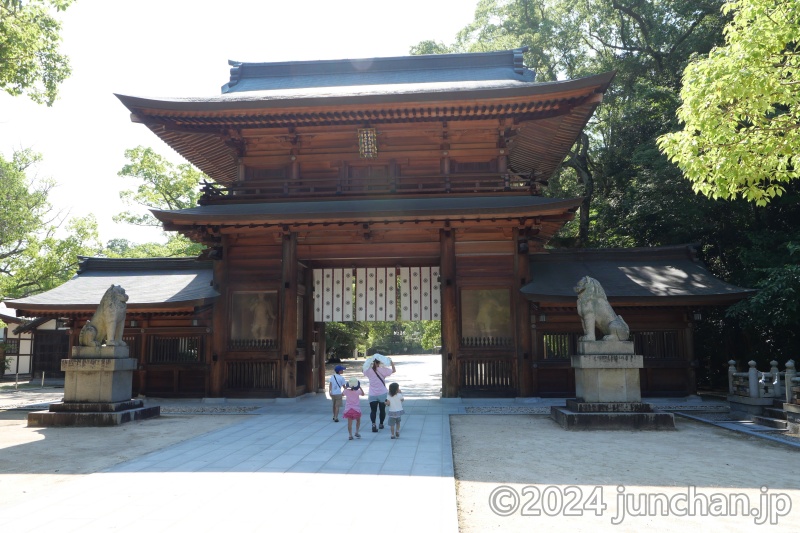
x,y
647,44
30,61
390,337
741,106
34,257
633,194
162,186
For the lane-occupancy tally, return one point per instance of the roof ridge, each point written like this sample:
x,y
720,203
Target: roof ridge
x,y
511,59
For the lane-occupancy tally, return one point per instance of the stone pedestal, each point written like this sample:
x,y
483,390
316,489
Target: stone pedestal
x,y
608,391
98,386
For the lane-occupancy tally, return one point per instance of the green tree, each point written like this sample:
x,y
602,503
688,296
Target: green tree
x,y
30,61
162,186
647,44
343,338
741,106
431,334
33,255
633,194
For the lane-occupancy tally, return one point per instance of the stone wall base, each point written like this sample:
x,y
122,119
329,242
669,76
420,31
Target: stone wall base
x,y
792,417
748,406
579,415
80,414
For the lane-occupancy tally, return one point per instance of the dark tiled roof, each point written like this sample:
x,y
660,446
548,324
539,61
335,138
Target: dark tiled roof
x,y
265,105
663,275
148,282
370,209
444,68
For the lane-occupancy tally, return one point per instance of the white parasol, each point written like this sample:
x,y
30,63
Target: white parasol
x,y
380,357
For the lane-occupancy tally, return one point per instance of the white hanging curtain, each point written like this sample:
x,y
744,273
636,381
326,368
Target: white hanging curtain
x,y
376,294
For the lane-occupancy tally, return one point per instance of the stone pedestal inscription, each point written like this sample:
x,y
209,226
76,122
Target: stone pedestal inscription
x,y
98,380
607,377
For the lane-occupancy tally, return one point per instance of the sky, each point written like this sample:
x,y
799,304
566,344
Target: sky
x,y
180,48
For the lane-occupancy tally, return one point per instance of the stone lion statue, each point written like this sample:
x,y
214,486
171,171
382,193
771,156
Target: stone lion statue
x,y
596,312
108,322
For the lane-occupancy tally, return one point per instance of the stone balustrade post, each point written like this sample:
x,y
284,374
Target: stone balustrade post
x,y
776,379
752,378
788,377
731,372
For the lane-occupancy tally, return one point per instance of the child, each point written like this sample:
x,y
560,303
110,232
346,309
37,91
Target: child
x,y
352,406
336,384
395,404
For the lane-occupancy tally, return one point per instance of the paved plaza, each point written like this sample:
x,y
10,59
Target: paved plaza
x,y
254,465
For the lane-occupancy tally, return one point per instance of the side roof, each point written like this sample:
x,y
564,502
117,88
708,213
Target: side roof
x,y
669,275
156,285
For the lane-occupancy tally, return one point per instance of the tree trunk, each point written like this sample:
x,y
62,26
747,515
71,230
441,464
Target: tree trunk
x,y
579,160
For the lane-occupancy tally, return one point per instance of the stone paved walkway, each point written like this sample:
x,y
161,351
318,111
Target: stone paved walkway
x,y
285,463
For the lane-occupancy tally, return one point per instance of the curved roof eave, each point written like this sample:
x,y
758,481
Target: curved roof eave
x,y
366,95
163,307
370,210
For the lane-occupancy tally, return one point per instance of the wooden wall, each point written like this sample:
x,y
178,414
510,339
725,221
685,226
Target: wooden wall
x,y
669,367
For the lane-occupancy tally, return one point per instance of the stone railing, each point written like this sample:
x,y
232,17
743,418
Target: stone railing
x,y
756,384
751,392
792,383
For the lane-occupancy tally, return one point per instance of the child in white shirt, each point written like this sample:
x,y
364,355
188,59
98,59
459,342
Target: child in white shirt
x,y
394,404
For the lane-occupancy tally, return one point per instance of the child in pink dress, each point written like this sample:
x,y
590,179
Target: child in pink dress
x,y
352,406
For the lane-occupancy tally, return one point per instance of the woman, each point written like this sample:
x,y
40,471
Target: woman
x,y
377,374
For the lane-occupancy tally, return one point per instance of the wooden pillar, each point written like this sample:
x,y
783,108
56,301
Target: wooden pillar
x,y
523,315
220,327
502,163
536,356
691,370
288,317
322,350
450,340
144,323
312,363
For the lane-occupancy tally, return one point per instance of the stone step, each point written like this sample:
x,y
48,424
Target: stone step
x,y
778,402
771,422
775,412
